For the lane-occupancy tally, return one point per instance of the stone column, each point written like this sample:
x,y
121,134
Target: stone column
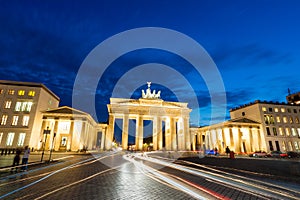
x,y
180,133
223,140
155,134
103,134
168,134
70,141
42,138
173,134
239,143
139,133
82,135
231,138
125,132
250,139
110,132
187,134
159,133
55,130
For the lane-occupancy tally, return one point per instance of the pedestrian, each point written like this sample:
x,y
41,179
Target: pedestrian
x,y
25,158
16,161
216,151
227,150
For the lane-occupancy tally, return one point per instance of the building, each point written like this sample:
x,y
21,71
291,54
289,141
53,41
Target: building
x,y
241,135
293,98
20,116
279,123
68,129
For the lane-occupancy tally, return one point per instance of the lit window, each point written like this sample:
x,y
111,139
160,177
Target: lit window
x,y
11,92
4,119
290,145
291,120
283,110
280,131
283,146
276,109
287,131
294,132
274,131
278,119
63,141
264,109
296,145
1,136
7,104
1,91
15,120
25,120
23,106
296,120
285,119
31,93
21,92
21,139
298,129
10,139
269,119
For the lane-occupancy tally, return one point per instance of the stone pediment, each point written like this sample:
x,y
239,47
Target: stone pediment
x,y
243,120
65,110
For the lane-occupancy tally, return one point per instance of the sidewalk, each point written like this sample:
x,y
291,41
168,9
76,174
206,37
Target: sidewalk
x,y
6,161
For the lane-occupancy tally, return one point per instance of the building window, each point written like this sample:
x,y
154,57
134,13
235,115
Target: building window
x,y
268,131
11,92
295,110
21,139
21,92
291,120
296,145
10,139
1,91
264,109
269,119
25,120
274,131
276,109
4,119
15,120
285,119
280,131
282,110
283,146
278,119
23,106
296,120
287,131
63,141
270,109
7,104
31,93
271,146
290,146
277,145
294,132
298,129
289,110
1,136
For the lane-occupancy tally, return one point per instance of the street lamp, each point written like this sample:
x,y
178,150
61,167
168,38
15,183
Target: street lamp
x,y
46,132
52,147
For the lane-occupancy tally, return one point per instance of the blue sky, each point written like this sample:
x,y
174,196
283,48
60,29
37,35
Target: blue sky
x,y
254,44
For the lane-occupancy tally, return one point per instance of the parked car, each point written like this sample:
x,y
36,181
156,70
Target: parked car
x,y
258,154
278,154
293,154
210,152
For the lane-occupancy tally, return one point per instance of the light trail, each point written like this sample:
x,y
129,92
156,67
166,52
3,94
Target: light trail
x,y
81,163
146,170
243,186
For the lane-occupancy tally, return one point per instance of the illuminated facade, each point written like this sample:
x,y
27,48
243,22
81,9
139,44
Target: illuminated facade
x,y
174,115
20,116
279,122
241,135
70,130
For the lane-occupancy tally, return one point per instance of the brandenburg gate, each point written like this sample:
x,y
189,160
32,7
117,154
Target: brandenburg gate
x,y
150,106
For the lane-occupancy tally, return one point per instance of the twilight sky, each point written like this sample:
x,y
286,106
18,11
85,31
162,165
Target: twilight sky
x,y
254,44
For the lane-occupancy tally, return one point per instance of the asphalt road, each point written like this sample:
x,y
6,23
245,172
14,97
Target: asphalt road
x,y
117,175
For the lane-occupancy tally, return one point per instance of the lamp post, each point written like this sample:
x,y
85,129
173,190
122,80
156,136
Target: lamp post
x,y
46,132
52,147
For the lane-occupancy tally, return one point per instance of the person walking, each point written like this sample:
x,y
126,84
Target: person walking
x,y
25,158
227,150
16,161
